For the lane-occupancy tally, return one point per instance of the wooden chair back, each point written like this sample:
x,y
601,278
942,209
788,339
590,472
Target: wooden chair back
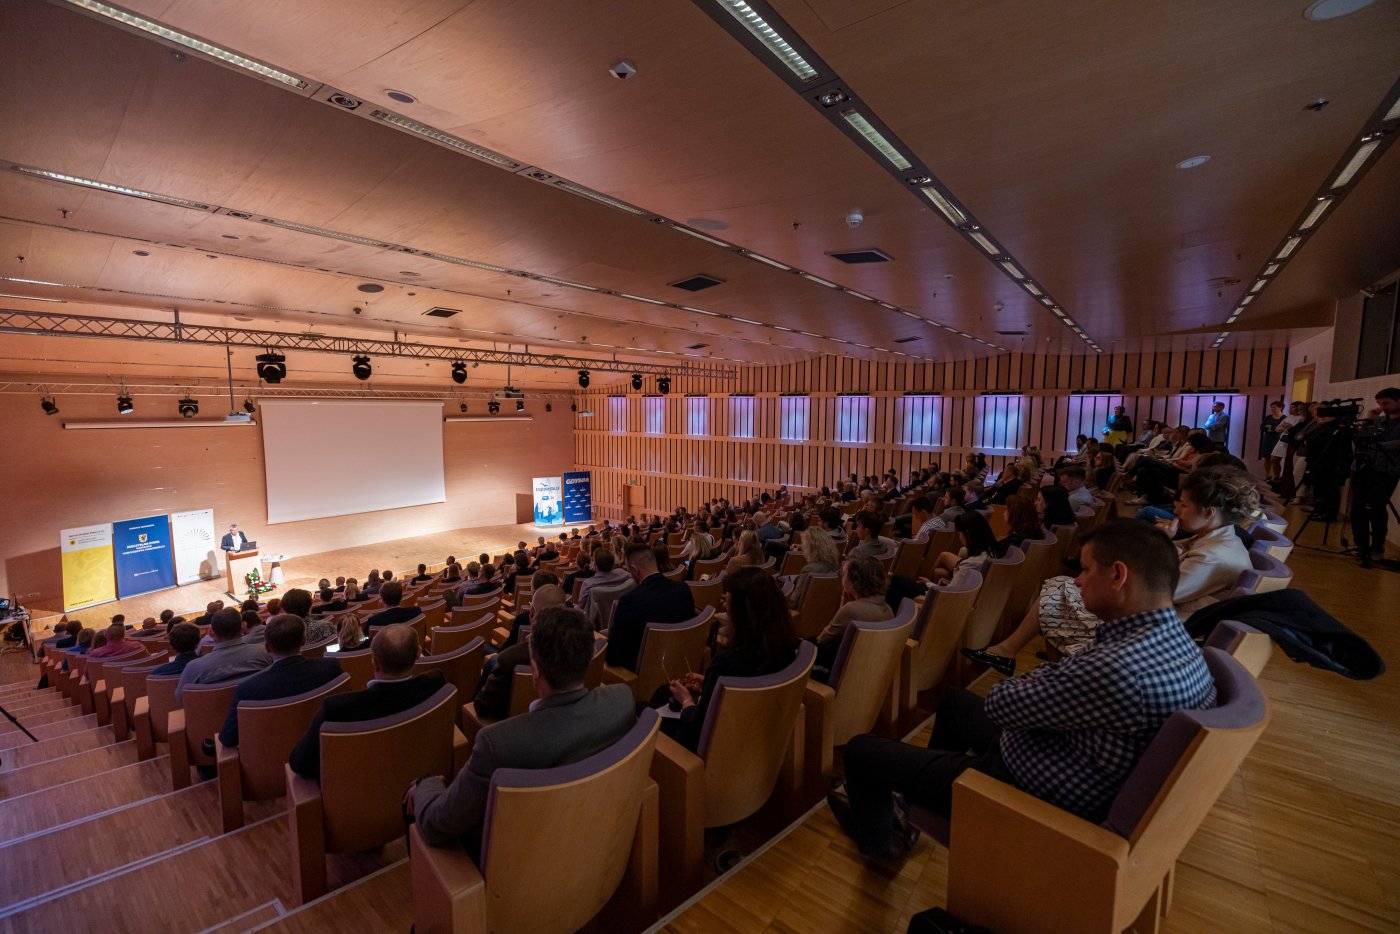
x,y
461,667
596,803
481,601
1064,534
361,812
793,562
669,650
602,599
268,730
708,593
522,685
910,557
204,707
133,682
450,638
940,630
1245,644
359,665
160,700
676,573
864,670
433,613
748,735
938,543
991,600
1270,542
318,649
820,601
1026,584
711,566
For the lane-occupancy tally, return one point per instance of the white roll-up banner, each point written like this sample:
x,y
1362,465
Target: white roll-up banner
x,y
197,555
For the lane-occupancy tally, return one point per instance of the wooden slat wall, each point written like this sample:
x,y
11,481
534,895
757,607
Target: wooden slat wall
x,y
1034,399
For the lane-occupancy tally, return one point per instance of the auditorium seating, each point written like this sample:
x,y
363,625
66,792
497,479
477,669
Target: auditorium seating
x,y
1000,574
604,806
820,601
709,593
1026,584
202,710
268,730
861,694
668,651
1009,853
461,667
351,810
1268,574
1270,541
464,629
151,715
940,629
359,665
1245,644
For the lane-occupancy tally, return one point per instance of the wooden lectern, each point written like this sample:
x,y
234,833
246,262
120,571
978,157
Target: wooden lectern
x,y
237,565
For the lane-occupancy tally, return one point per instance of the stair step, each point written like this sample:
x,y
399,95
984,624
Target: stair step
x,y
45,731
46,774
381,901
249,920
35,702
82,798
36,718
17,757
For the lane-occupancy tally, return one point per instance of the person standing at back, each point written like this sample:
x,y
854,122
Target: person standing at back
x,y
1217,426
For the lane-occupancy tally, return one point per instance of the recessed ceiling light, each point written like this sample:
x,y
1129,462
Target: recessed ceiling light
x,y
832,98
243,317
1289,246
1322,10
230,236
984,243
947,208
410,273
699,236
401,96
370,287
1193,162
140,253
598,196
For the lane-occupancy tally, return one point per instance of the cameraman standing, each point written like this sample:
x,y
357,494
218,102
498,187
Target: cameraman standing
x,y
1375,479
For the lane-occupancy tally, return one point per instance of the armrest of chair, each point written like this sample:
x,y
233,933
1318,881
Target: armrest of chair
x,y
145,735
179,751
230,785
307,836
908,695
472,724
121,727
818,729
461,752
1000,832
613,675
101,703
84,689
680,778
789,788
449,892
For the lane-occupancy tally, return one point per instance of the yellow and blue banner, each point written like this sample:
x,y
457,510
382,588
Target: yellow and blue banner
x,y
578,496
88,574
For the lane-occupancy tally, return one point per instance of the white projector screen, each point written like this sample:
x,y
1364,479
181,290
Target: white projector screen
x,y
337,457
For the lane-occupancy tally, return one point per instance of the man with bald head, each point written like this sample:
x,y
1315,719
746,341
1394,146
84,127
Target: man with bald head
x,y
493,698
393,689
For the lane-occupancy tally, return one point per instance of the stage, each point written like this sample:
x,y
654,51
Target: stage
x,y
401,556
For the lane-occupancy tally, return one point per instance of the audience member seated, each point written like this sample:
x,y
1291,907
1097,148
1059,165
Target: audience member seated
x,y
393,689
607,575
655,599
117,643
1023,522
207,619
253,627
352,592
422,576
231,657
756,638
541,578
869,542
1073,480
976,545
484,582
149,625
832,524
289,674
331,602
584,572
1052,504
823,557
568,723
350,635
184,642
493,697
392,594
863,587
372,583
747,553
1069,733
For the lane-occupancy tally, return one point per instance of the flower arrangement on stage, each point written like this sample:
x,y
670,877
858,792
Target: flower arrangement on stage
x,y
256,585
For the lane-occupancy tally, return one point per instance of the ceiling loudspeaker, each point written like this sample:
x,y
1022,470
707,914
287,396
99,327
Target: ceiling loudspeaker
x,y
272,367
360,367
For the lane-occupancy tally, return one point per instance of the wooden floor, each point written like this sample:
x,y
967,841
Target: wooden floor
x,y
399,555
1306,838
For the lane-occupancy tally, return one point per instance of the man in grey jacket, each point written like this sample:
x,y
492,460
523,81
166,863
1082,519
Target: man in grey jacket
x,y
568,723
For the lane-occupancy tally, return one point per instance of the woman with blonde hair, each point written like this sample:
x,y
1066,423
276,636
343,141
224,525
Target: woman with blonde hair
x,y
823,557
748,553
351,635
352,592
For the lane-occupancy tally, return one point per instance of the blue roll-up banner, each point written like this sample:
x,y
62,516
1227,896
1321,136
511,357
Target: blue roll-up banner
x,y
578,496
144,559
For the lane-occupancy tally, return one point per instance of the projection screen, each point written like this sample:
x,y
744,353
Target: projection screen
x,y
336,457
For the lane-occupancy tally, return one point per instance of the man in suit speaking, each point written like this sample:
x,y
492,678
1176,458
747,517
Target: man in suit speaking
x,y
233,540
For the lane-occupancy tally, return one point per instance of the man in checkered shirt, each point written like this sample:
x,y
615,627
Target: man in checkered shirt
x,y
1068,733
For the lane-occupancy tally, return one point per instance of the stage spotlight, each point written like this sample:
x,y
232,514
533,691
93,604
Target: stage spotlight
x,y
272,367
663,384
519,405
573,406
359,366
463,408
583,379
189,408
50,407
249,407
548,407
636,381
493,407
124,406
459,372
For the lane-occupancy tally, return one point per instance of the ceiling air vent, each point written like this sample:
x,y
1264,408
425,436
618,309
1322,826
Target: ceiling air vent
x,y
856,257
904,340
1013,333
441,312
696,283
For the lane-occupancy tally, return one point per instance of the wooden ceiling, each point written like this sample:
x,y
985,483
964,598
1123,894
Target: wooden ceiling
x,y
1059,127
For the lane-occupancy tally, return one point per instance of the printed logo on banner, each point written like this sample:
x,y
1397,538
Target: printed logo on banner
x,y
548,506
144,561
578,496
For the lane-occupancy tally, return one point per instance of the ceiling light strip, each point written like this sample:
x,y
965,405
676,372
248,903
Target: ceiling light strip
x,y
877,139
947,208
446,139
771,39
1354,165
598,196
190,42
113,189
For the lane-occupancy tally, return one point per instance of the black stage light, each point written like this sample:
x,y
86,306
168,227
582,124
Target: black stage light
x,y
459,372
548,407
272,367
663,384
50,407
463,407
359,366
249,407
636,381
124,406
573,406
493,406
519,405
583,379
189,408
